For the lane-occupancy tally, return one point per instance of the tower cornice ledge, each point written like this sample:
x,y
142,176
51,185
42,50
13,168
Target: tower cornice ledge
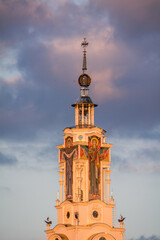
x,y
85,203
85,129
109,145
89,227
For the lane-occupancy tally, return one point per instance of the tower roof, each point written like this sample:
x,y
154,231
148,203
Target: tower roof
x,y
84,80
85,99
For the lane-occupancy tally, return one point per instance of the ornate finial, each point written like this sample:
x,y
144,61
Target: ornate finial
x,y
58,195
84,44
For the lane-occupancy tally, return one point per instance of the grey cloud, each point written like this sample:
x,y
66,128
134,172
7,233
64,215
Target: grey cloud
x,y
42,64
143,165
134,18
32,110
137,23
147,238
42,100
7,160
138,110
139,154
25,21
4,189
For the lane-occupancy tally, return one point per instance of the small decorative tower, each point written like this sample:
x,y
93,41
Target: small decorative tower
x,y
84,107
85,208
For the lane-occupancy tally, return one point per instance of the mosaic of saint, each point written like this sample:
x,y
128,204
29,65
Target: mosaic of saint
x,y
94,153
94,145
67,154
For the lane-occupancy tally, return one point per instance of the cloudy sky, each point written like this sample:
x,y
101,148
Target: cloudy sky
x,y
40,62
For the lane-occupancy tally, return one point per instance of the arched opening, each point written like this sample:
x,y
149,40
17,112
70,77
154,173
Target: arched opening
x,y
102,236
58,237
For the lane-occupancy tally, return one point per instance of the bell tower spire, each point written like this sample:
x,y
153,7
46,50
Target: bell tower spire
x,y
84,44
85,208
84,107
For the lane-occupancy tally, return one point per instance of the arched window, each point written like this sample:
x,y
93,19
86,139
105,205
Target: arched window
x,y
102,238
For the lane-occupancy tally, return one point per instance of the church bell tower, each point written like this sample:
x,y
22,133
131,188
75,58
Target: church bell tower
x,y
85,209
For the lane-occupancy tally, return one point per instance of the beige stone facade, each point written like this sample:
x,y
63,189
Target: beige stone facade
x,y
87,226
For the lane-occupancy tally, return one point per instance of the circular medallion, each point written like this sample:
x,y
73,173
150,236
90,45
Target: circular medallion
x,y
84,80
80,137
95,214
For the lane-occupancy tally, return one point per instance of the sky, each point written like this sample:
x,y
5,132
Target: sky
x,y
40,62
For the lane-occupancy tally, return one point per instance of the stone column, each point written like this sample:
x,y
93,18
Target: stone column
x,y
89,114
48,226
57,202
79,116
61,185
92,115
79,179
108,185
76,115
104,192
86,120
82,114
121,224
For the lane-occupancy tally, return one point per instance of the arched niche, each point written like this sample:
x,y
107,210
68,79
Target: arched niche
x,y
102,236
58,237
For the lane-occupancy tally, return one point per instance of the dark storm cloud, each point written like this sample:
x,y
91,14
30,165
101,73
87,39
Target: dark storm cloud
x,y
27,20
133,18
42,64
7,160
28,108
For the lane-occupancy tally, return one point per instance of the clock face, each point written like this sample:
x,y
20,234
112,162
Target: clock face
x,y
80,137
95,214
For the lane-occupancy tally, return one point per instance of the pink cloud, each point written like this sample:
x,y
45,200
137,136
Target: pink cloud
x,y
107,61
13,80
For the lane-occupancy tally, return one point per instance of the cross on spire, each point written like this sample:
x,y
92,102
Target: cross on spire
x,y
84,44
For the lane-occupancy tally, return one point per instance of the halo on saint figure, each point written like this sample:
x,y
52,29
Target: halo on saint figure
x,y
95,140
68,142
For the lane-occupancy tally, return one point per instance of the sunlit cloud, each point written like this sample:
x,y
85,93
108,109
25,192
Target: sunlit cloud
x,y
13,80
104,87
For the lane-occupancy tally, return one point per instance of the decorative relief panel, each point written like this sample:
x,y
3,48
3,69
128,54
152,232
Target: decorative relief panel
x,y
95,212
